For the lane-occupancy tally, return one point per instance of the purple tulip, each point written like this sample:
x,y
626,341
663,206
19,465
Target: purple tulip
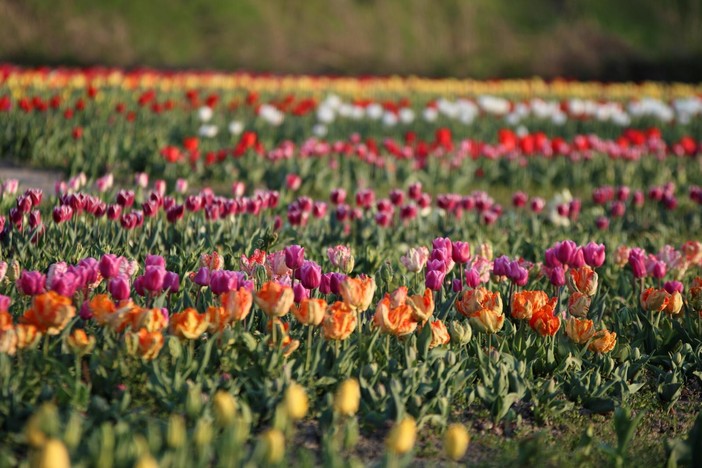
x,y
139,285
171,282
31,283
456,285
335,281
658,269
310,275
155,260
670,286
223,281
557,276
294,256
434,279
443,243
109,265
578,259
85,312
300,292
119,287
501,266
153,278
324,283
66,284
90,268
460,252
551,257
594,254
202,277
4,303
436,265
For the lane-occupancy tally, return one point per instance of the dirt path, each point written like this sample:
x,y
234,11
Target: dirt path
x,y
29,178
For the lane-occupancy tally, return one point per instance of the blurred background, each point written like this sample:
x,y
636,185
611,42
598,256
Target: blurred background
x,y
583,39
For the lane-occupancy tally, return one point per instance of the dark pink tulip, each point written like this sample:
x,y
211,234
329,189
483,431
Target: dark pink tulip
x,y
139,285
638,198
594,254
223,281
658,269
34,219
566,251
171,282
623,193
434,279
408,212
670,286
154,277
119,287
66,284
397,197
294,256
150,208
338,196
537,204
501,266
637,262
114,212
35,195
519,199
578,259
155,260
335,281
109,265
324,284
456,285
424,200
293,182
125,198
557,276
415,191
300,292
24,204
383,220
310,275
193,203
62,214
175,213
472,278
319,210
85,312
602,223
4,302
617,209
384,205
31,283
460,252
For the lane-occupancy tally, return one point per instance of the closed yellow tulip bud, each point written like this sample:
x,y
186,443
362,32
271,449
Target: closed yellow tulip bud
x,y
146,461
274,442
348,397
54,455
296,402
456,440
402,436
224,407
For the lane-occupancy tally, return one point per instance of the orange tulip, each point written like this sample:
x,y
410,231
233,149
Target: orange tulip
x,y
144,343
583,280
525,303
339,321
237,304
5,320
544,322
274,299
473,300
579,330
603,342
188,324
422,305
50,313
151,319
398,321
675,304
27,336
102,308
217,318
439,334
126,315
655,300
79,342
8,341
579,304
358,292
310,311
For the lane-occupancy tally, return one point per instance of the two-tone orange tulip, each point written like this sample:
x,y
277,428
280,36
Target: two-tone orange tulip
x,y
50,313
655,300
217,319
358,292
583,280
8,341
483,308
603,342
102,308
79,342
579,330
144,343
422,305
188,324
151,319
274,299
310,311
544,322
525,303
439,334
237,304
339,321
28,336
579,304
397,320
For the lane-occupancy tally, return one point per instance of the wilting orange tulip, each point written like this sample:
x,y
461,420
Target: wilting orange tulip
x,y
102,308
583,280
5,320
50,313
8,341
398,321
579,330
439,334
579,304
27,336
283,337
358,292
544,322
237,304
525,303
655,300
274,299
339,321
473,300
422,305
79,342
310,311
675,304
217,319
188,324
603,342
151,319
144,343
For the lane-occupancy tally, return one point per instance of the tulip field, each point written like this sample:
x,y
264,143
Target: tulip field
x,y
255,270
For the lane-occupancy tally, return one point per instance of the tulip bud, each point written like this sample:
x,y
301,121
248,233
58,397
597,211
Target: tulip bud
x,y
294,256
273,442
456,441
296,402
224,407
402,436
347,398
461,333
54,455
176,434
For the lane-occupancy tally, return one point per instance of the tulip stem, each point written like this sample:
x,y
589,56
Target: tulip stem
x,y
310,331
